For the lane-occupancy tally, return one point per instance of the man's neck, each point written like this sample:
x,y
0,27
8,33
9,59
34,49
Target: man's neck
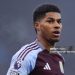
x,y
47,45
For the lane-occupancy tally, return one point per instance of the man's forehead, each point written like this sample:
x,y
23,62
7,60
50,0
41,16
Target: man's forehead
x,y
53,15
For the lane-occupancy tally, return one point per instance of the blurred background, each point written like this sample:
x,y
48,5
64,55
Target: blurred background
x,y
16,29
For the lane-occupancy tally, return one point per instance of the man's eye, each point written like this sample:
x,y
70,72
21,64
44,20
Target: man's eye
x,y
50,21
59,21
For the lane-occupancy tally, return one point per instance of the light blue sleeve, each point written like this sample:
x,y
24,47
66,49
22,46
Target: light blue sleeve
x,y
23,67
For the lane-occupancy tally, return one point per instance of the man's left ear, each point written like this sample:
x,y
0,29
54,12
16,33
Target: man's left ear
x,y
37,26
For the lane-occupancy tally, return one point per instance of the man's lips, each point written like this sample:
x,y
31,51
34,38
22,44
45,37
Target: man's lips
x,y
56,33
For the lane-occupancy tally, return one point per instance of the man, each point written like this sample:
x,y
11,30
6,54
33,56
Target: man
x,y
36,58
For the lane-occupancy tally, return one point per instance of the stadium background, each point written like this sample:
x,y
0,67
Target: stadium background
x,y
16,29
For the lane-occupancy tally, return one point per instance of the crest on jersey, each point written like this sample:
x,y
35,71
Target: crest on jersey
x,y
17,64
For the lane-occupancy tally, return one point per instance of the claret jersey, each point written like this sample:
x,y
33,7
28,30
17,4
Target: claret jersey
x,y
33,59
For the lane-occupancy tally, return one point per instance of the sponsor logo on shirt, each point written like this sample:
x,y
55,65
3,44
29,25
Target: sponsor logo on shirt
x,y
47,67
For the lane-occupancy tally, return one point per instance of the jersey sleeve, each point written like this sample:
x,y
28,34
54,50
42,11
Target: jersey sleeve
x,y
26,62
19,67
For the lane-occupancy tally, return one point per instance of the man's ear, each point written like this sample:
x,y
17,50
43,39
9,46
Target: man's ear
x,y
37,26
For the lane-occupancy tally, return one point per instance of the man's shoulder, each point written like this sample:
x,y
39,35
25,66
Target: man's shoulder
x,y
27,51
27,55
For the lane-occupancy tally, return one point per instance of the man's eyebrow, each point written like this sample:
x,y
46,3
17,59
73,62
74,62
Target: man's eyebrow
x,y
53,18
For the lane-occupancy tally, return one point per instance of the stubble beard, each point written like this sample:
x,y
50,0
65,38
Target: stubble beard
x,y
52,41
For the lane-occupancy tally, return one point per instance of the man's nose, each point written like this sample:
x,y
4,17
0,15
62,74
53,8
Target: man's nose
x,y
57,25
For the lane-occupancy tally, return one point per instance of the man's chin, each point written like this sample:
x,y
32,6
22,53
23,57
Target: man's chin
x,y
54,40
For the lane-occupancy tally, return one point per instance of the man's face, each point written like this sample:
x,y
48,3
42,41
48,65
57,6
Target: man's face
x,y
50,26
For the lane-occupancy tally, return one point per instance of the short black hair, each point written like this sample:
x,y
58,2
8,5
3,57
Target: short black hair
x,y
40,12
